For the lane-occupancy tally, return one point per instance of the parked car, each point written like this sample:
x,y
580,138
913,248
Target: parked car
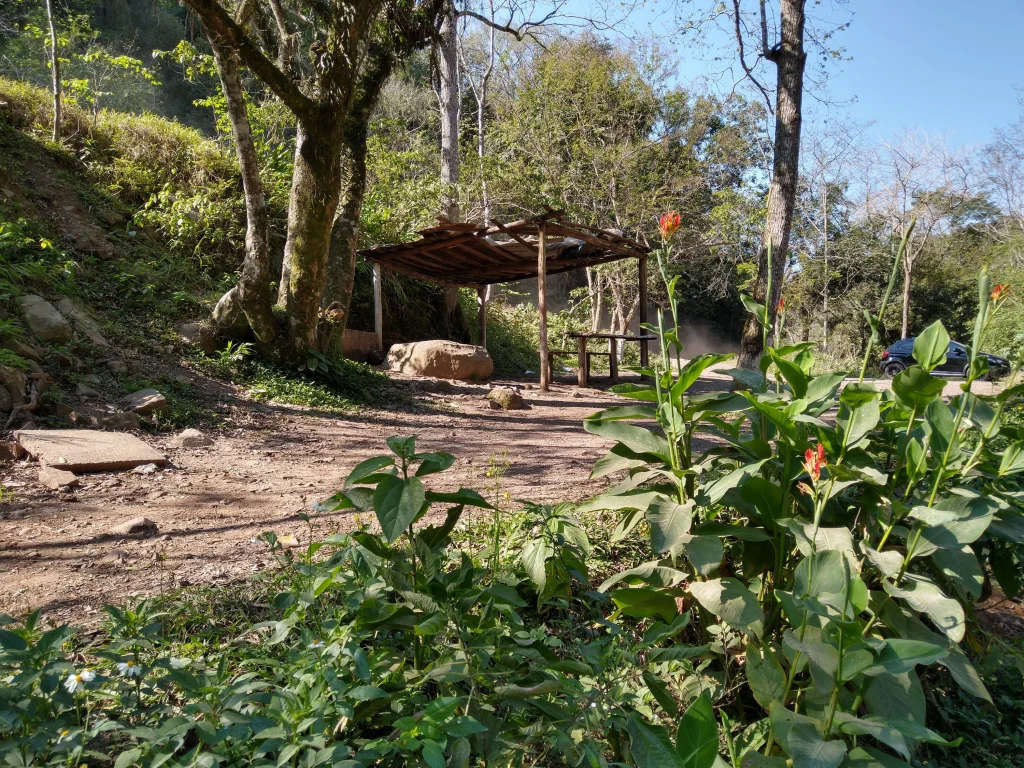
x,y
900,356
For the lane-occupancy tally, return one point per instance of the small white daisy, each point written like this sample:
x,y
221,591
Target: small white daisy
x,y
316,645
179,663
76,681
129,668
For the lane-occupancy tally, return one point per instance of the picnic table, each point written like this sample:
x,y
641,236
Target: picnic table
x,y
583,355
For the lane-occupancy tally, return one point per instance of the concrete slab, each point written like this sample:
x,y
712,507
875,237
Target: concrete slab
x,y
87,450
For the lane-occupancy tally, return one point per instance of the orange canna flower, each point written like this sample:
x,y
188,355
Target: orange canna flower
x,y
782,306
814,460
999,292
668,224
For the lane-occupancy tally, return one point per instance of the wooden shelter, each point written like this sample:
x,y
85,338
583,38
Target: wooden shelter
x,y
476,256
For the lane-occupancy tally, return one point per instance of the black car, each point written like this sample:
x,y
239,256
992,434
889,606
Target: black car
x,y
900,356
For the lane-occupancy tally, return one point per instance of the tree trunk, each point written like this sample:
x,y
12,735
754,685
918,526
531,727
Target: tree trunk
x,y
448,98
253,289
341,262
54,71
789,58
316,186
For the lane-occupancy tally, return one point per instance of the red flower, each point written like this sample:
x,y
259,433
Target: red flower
x,y
814,460
999,292
668,224
781,307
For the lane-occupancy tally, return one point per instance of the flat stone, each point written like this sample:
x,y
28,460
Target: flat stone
x,y
87,450
10,450
54,478
81,319
136,526
147,401
145,469
191,438
84,390
43,319
117,366
92,378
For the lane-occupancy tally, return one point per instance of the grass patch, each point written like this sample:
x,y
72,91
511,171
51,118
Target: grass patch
x,y
346,386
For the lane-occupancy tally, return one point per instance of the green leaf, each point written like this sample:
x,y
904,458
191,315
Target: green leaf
x,y
1008,526
705,553
896,696
670,523
128,757
915,388
931,346
635,438
858,412
808,750
659,690
650,744
765,676
368,468
1013,459
899,656
697,738
793,375
661,631
464,496
617,459
866,757
1004,568
660,573
367,693
874,727
431,625
962,568
433,462
693,369
403,447
965,674
940,426
433,754
923,596
644,602
823,387
713,493
396,503
732,601
735,530
534,557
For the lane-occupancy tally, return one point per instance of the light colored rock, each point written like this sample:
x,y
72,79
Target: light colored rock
x,y
81,319
200,335
54,478
505,398
85,450
117,366
436,386
92,378
228,317
84,390
145,469
441,359
191,438
43,319
147,401
135,527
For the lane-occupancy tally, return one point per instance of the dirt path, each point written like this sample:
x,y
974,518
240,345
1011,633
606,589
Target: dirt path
x,y
272,464
210,504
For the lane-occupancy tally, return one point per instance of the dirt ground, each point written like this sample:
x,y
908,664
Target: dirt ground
x,y
271,464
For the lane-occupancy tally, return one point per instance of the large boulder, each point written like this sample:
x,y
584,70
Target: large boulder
x,y
441,359
83,321
43,319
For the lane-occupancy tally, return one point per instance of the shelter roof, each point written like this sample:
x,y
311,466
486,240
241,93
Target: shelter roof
x,y
474,255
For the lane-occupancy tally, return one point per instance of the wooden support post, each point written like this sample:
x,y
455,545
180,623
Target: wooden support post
x,y
481,316
613,360
378,310
642,285
583,361
542,308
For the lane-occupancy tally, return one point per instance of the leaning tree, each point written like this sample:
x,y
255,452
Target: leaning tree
x,y
327,61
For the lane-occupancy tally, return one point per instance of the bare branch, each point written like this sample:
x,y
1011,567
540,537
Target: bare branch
x,y
743,60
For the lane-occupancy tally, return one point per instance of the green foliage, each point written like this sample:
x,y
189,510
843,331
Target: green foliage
x,y
838,613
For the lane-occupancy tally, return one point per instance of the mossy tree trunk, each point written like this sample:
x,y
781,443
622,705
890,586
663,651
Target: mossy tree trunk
x,y
355,45
253,289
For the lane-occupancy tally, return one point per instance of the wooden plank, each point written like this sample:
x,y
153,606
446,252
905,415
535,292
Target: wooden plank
x,y
542,308
481,316
378,310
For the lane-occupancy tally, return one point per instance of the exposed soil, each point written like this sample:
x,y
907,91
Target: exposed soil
x,y
272,464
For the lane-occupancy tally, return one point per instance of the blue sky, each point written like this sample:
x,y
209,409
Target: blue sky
x,y
946,66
